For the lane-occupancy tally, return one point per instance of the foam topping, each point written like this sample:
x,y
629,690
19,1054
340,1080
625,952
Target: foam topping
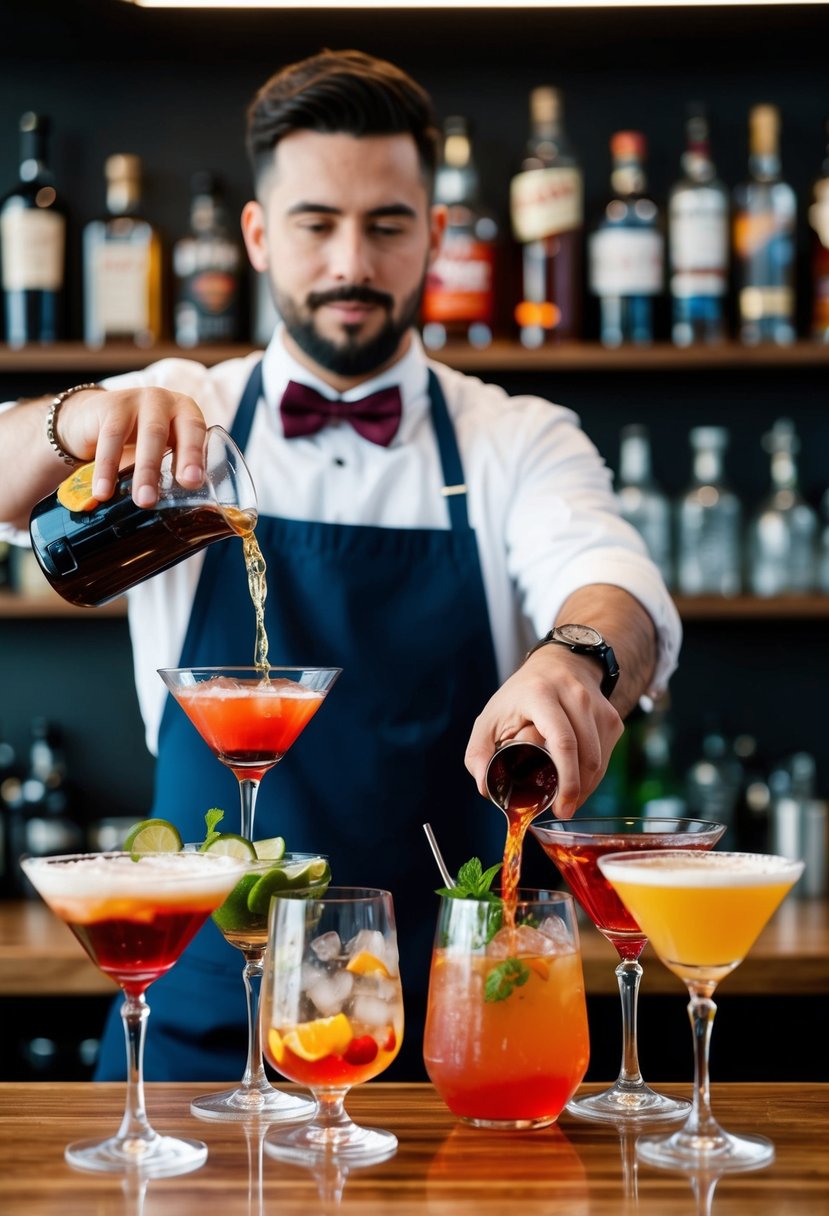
x,y
108,875
685,869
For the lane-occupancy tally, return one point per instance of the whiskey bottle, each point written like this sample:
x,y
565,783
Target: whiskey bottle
x,y
33,244
459,295
641,501
819,223
207,266
627,250
709,522
698,242
782,535
122,272
547,211
765,216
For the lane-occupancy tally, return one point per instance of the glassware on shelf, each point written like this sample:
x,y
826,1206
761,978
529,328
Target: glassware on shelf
x,y
698,241
642,501
782,534
709,522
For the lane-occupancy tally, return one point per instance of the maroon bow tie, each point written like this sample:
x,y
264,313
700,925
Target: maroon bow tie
x,y
375,417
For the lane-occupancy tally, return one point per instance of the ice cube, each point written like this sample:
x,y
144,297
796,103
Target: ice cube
x,y
308,975
520,942
555,928
391,957
370,1010
330,992
370,940
327,946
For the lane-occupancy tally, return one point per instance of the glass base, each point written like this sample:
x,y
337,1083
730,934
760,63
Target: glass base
x,y
157,1157
350,1145
518,1125
634,1105
718,1154
267,1105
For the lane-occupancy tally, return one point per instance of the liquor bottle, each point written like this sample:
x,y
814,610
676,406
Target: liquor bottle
x,y
713,785
655,788
823,547
9,784
698,242
207,266
46,814
709,522
33,244
122,264
547,212
641,500
782,534
819,223
627,249
765,214
459,295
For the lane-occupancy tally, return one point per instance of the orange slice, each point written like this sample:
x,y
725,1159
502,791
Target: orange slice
x,y
276,1045
540,966
320,1038
364,963
75,493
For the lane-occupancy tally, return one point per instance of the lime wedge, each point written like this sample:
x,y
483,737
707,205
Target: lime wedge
x,y
230,845
233,915
314,874
270,850
152,836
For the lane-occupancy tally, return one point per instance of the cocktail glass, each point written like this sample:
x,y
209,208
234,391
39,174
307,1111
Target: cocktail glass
x,y
506,1043
249,716
702,914
575,846
332,1014
243,921
134,918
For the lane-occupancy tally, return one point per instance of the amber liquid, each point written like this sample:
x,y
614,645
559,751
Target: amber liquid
x,y
523,781
258,587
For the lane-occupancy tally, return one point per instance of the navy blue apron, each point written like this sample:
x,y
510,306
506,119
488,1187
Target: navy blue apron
x,y
403,612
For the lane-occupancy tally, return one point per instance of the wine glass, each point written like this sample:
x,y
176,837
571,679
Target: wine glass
x,y
702,914
243,922
249,716
134,917
575,846
332,1014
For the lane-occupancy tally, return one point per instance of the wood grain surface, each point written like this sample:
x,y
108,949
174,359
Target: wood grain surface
x,y
442,1167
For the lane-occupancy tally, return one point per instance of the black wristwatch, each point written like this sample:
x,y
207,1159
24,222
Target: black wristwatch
x,y
584,639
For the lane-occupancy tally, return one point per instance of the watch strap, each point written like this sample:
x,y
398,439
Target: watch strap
x,y
602,652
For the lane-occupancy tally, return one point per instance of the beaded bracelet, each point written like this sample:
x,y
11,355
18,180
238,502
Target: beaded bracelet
x,y
51,423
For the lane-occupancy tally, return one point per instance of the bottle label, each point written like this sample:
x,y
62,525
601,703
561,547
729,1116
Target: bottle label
x,y
626,262
754,232
544,202
699,239
121,275
690,285
33,244
460,284
755,303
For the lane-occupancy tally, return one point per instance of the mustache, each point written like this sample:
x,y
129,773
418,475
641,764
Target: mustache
x,y
353,293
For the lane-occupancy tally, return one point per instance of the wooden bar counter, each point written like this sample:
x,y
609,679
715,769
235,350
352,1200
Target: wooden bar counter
x,y
442,1168
40,957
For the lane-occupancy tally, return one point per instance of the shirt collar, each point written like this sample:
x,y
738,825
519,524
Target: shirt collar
x,y
409,373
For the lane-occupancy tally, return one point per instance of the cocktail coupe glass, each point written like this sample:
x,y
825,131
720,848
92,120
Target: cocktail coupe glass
x,y
243,922
249,716
575,846
702,914
134,918
332,1015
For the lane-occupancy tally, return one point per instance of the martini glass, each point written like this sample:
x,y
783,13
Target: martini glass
x,y
134,918
702,915
243,922
575,846
249,716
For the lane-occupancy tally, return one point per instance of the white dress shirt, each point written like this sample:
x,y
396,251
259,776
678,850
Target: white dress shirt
x,y
539,498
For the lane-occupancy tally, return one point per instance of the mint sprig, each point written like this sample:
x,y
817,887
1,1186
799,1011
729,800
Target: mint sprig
x,y
213,816
505,978
473,882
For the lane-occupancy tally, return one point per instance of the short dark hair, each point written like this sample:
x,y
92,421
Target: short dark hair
x,y
341,92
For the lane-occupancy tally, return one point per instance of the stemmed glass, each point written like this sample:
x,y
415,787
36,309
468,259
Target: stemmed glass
x,y
575,846
332,1014
243,922
249,716
134,917
702,915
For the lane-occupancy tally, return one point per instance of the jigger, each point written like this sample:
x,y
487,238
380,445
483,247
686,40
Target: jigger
x,y
521,776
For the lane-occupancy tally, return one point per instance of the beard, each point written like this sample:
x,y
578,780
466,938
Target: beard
x,y
350,356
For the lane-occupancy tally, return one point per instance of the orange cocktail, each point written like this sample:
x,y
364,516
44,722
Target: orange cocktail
x,y
506,1041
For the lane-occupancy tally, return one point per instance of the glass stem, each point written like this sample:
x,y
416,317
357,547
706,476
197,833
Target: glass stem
x,y
701,1122
248,789
135,1126
331,1113
628,974
252,972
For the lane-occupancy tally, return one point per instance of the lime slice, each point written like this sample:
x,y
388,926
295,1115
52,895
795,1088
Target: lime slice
x,y
153,836
272,849
230,845
316,874
303,874
234,916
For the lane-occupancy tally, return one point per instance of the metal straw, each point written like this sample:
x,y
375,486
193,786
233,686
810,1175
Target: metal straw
x,y
444,873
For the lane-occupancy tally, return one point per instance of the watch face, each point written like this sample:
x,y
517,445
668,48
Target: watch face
x,y
579,635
